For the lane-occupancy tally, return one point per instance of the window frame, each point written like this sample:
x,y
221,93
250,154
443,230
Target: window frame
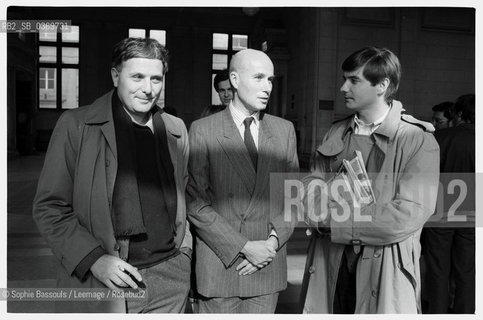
x,y
228,52
58,44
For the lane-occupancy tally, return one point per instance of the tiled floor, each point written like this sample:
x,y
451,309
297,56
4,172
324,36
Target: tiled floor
x,y
30,263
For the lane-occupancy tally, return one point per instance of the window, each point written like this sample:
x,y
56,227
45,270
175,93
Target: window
x,y
225,45
159,35
59,69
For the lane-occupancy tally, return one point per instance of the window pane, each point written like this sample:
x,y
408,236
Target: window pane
x,y
47,36
220,61
70,55
137,33
215,98
47,54
70,88
47,92
220,41
240,42
72,36
159,35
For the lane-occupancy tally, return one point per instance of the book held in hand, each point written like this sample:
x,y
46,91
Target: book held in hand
x,y
355,174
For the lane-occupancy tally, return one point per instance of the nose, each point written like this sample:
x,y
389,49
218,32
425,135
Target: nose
x,y
147,87
343,88
267,87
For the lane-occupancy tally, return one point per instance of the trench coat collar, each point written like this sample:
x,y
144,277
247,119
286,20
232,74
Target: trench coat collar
x,y
383,135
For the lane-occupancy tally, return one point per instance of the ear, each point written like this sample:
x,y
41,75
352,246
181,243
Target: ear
x,y
234,79
382,86
115,76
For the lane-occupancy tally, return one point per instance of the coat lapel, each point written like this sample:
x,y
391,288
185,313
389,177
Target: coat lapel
x,y
173,134
266,152
235,149
101,114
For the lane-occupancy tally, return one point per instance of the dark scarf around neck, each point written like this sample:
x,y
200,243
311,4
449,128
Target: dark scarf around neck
x,y
126,213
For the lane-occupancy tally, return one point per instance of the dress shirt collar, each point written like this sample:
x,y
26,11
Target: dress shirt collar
x,y
239,116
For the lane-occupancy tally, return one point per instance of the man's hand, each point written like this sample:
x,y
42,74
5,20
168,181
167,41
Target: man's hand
x,y
245,268
273,242
110,270
259,253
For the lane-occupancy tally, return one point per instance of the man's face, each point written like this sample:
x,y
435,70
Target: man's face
x,y
439,121
359,93
254,83
225,92
139,83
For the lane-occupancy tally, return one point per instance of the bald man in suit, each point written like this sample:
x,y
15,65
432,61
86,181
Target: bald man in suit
x,y
240,246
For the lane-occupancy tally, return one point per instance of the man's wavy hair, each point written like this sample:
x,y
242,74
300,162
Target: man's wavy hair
x,y
148,48
378,63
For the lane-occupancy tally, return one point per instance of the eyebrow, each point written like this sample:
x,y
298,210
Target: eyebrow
x,y
352,77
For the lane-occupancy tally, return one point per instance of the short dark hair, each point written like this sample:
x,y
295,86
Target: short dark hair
x,y
446,108
220,76
378,63
148,48
466,105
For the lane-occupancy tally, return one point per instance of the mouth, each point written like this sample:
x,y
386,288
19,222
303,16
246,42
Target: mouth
x,y
145,100
264,100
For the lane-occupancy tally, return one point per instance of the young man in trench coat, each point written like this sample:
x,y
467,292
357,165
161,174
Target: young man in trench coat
x,y
368,260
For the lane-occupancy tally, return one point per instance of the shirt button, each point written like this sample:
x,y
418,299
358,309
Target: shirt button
x,y
377,254
108,163
374,293
311,269
117,247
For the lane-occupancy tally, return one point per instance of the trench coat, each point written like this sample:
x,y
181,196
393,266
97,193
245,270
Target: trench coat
x,y
406,184
72,206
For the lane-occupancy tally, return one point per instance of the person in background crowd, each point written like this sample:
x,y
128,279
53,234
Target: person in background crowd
x,y
222,85
442,115
449,251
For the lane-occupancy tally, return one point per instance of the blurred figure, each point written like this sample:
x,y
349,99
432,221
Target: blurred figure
x,y
442,115
222,85
451,250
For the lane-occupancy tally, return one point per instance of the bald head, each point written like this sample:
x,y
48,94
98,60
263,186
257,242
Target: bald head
x,y
243,58
251,76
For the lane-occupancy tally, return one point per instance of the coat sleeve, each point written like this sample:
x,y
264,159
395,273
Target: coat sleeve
x,y
283,228
413,201
53,210
211,227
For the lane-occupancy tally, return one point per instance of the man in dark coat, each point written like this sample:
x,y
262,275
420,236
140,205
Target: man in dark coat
x,y
110,199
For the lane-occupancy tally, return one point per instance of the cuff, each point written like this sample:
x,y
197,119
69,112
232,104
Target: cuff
x,y
83,267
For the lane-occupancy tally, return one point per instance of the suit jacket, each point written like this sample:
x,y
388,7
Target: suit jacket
x,y
228,202
72,207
